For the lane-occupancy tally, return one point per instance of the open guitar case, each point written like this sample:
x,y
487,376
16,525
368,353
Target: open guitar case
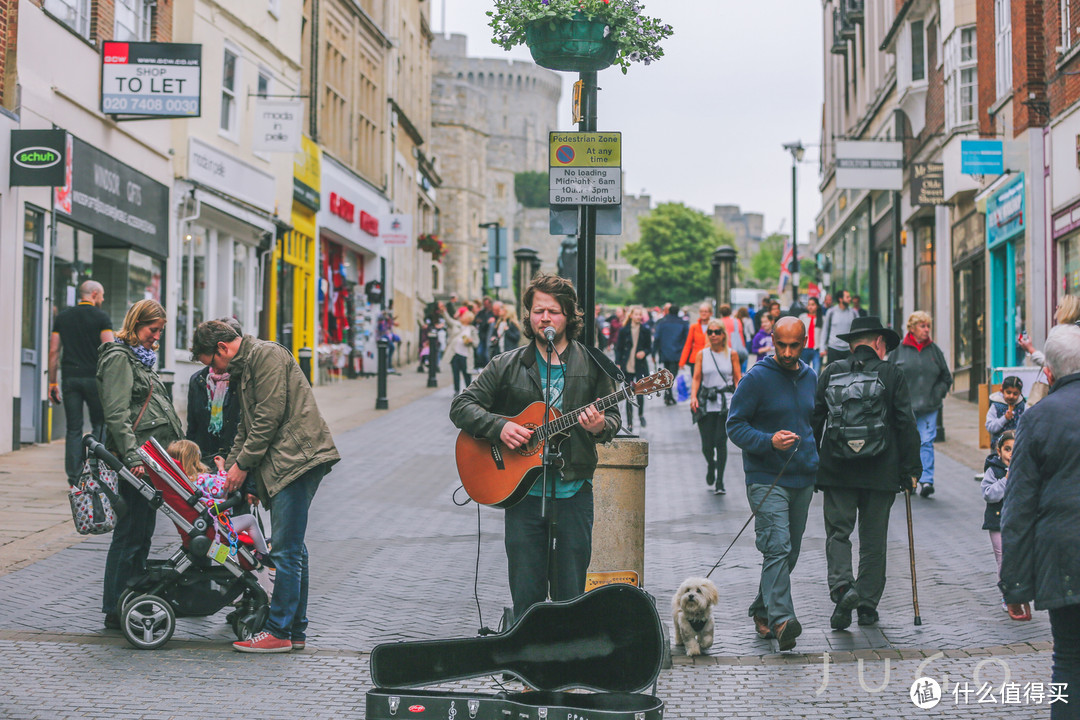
x,y
609,641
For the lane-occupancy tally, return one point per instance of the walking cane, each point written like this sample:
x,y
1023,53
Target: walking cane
x,y
911,549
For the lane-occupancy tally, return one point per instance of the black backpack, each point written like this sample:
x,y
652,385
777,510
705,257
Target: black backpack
x,y
857,424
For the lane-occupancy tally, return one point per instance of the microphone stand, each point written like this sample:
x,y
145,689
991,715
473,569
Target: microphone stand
x,y
548,457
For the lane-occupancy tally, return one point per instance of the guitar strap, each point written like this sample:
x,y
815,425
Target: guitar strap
x,y
605,363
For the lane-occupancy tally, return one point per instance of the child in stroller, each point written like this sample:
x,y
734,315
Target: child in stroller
x,y
212,486
202,576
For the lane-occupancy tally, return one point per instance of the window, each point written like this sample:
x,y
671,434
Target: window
x,y
274,7
73,13
132,21
918,51
228,93
192,308
1003,46
1066,23
961,77
263,84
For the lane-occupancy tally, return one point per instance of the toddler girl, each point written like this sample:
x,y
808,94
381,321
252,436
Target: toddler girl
x,y
994,482
1006,407
212,486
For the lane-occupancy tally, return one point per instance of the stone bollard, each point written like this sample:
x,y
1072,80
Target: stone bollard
x,y
619,508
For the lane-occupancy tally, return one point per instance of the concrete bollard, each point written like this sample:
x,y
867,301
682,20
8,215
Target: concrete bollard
x,y
618,542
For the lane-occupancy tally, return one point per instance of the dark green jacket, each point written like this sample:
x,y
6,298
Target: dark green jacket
x,y
282,435
123,384
511,382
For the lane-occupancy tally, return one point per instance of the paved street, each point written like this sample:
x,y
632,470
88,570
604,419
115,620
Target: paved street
x,y
393,558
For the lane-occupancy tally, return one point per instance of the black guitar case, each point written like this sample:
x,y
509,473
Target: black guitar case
x,y
608,640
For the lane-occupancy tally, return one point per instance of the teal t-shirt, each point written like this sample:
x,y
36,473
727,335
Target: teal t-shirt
x,y
554,395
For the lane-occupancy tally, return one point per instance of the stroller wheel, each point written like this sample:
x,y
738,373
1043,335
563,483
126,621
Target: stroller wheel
x,y
125,597
243,630
148,622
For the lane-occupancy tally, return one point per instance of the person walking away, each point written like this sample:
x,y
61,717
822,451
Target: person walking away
x,y
1007,406
511,382
716,375
733,328
762,345
695,337
671,332
869,446
462,343
1039,531
856,305
631,351
77,334
928,380
137,407
283,449
743,314
812,319
995,480
838,321
769,419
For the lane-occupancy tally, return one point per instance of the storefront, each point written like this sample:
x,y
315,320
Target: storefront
x,y
882,273
1005,241
848,254
226,227
969,303
110,224
1066,226
349,257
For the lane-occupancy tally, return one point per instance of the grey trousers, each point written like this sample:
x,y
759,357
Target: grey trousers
x,y
779,525
871,508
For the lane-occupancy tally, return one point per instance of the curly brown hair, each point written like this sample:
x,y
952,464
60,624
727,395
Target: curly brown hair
x,y
563,291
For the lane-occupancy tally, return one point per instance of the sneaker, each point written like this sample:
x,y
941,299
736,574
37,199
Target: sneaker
x,y
841,617
112,621
762,627
641,420
719,489
926,490
264,642
710,477
786,632
867,616
299,644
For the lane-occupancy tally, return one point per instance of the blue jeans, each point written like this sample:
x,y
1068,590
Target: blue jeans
x,y
288,521
130,545
779,524
812,358
927,425
1065,629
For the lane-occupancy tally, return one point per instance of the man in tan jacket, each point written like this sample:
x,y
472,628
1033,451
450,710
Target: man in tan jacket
x,y
282,451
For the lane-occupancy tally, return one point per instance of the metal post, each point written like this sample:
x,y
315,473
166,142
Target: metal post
x,y
381,403
794,234
433,353
586,256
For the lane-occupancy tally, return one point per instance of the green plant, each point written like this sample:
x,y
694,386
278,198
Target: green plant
x,y
638,37
531,189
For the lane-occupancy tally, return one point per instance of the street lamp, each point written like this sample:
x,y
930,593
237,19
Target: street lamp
x,y
797,152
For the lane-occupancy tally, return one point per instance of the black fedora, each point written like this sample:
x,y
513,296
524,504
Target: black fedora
x,y
871,324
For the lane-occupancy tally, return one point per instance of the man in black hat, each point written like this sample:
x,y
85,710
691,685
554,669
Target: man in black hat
x,y
869,451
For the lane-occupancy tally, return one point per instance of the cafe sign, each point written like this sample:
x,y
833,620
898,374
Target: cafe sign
x,y
37,158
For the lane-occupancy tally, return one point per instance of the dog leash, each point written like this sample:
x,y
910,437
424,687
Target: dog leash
x,y
754,511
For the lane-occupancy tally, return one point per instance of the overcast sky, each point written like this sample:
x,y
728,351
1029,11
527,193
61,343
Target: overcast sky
x,y
706,124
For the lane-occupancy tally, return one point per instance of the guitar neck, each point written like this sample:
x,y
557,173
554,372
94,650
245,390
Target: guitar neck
x,y
565,422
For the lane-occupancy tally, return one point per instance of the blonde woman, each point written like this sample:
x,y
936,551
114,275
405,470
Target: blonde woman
x,y
137,408
717,372
462,344
508,330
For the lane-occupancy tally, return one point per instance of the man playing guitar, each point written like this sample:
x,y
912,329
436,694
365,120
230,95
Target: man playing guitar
x,y
509,383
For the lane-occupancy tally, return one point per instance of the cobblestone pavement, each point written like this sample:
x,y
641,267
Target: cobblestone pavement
x,y
393,558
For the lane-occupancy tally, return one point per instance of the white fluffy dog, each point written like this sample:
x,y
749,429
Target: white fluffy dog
x,y
691,609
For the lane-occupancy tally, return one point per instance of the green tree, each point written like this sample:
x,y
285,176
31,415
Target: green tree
x,y
673,255
765,264
606,292
531,189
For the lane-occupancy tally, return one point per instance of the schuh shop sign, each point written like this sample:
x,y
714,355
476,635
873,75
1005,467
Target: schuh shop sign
x,y
37,158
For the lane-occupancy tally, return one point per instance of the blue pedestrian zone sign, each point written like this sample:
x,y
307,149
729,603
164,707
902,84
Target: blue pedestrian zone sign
x,y
982,157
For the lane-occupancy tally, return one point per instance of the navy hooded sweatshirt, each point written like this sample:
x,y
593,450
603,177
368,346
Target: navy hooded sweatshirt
x,y
769,399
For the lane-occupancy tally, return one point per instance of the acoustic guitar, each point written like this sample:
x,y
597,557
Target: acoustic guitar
x,y
493,474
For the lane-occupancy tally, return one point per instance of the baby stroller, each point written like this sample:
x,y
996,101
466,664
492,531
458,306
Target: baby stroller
x,y
202,576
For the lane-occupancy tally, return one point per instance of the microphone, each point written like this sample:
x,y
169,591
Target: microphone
x,y
549,334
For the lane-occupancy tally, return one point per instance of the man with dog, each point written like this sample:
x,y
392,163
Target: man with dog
x,y
769,419
869,446
510,383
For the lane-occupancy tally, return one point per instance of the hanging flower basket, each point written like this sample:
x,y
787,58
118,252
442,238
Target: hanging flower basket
x,y
576,45
432,244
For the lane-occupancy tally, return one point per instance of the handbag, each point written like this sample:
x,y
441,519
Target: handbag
x,y
93,498
705,394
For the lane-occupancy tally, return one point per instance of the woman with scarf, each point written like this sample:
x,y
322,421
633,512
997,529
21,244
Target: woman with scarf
x,y
928,380
213,415
632,347
137,407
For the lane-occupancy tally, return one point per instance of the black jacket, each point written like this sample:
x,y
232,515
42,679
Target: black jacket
x,y
900,462
1040,535
624,343
927,374
511,382
198,419
670,336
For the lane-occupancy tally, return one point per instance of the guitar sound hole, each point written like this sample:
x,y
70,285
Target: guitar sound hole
x,y
533,446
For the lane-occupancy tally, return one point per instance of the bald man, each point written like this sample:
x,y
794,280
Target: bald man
x,y
77,334
769,420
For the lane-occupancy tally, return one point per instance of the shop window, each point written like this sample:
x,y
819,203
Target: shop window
x,y
192,308
73,13
1070,265
128,276
228,93
73,255
131,21
924,269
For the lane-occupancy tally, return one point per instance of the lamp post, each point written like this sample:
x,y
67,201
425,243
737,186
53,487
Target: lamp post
x,y
494,252
723,265
797,152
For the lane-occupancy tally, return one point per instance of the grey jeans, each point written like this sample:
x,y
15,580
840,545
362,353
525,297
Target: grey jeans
x,y
779,523
871,507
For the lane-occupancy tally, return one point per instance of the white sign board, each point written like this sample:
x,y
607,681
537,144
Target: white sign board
x,y
585,186
230,175
151,79
869,165
277,125
398,231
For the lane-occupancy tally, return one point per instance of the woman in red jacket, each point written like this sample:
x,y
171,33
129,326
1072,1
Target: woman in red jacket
x,y
695,339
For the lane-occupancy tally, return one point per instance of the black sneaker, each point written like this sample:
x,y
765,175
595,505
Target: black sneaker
x,y
641,420
841,617
719,489
927,490
112,621
867,616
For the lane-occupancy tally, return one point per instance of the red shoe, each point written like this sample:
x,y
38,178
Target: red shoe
x,y
264,642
